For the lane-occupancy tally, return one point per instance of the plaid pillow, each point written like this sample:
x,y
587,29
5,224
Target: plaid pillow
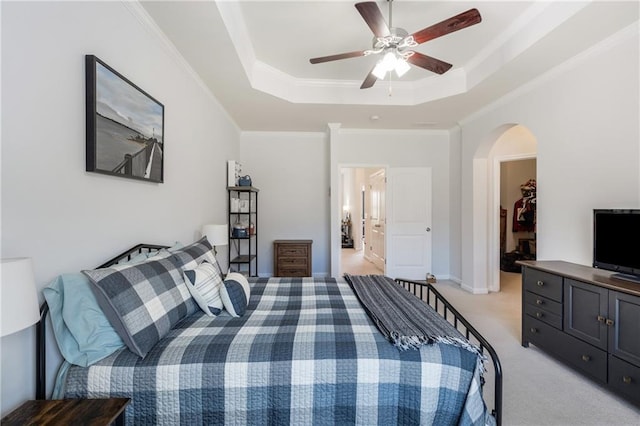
x,y
204,284
235,293
191,256
143,301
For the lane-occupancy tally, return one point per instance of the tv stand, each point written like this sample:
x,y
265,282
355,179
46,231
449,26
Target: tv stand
x,y
626,277
586,319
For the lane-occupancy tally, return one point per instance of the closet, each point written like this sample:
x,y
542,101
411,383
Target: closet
x,y
518,212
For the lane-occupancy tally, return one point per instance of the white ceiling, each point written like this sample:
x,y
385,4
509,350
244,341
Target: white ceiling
x,y
254,57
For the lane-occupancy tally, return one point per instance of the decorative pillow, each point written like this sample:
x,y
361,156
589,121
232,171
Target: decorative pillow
x,y
235,294
204,284
82,330
191,256
143,301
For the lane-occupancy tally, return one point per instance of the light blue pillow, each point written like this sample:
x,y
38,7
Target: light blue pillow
x,y
235,293
83,332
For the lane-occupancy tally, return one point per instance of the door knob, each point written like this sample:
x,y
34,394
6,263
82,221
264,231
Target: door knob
x,y
428,229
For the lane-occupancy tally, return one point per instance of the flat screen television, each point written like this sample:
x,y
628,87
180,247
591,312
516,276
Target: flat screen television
x,y
615,234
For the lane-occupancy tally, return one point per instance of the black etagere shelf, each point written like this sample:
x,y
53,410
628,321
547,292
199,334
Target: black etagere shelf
x,y
243,230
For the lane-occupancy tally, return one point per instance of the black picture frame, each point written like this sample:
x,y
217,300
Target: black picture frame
x,y
124,125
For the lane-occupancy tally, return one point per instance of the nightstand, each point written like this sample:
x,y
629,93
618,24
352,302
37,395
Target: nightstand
x,y
292,258
86,412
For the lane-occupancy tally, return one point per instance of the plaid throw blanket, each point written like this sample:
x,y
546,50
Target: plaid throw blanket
x,y
402,318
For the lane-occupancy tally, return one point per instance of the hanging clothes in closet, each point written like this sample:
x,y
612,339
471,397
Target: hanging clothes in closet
x,y
524,210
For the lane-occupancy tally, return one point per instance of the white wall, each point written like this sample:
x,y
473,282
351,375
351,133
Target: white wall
x,y
291,171
399,148
585,118
52,210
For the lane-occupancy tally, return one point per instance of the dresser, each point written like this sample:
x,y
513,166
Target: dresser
x,y
586,319
292,258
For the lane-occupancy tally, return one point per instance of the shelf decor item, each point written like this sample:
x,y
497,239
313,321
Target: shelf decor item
x,y
125,126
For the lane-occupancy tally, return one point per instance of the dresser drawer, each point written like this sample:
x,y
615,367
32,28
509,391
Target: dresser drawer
x,y
544,316
292,250
624,378
544,303
580,355
543,283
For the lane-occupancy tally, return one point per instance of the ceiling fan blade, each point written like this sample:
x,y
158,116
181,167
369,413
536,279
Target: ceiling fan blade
x,y
346,55
455,23
373,17
369,80
429,63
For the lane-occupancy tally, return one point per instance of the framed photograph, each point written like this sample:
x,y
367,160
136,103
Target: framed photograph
x,y
125,126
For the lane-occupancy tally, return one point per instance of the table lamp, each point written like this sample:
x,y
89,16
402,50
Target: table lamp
x,y
218,235
19,297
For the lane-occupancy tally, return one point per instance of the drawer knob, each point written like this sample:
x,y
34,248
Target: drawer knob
x,y
534,330
540,283
539,301
586,358
601,319
626,380
539,314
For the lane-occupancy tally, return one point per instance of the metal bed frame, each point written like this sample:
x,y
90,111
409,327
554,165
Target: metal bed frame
x,y
418,289
444,308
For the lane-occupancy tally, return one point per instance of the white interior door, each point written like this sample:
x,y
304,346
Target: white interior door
x,y
377,219
409,222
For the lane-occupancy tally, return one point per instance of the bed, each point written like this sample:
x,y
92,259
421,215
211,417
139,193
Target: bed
x,y
305,351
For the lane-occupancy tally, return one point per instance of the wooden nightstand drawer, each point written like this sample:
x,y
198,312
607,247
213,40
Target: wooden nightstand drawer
x,y
293,272
292,258
285,262
292,250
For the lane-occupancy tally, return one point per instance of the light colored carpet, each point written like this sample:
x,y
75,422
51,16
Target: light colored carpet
x,y
538,390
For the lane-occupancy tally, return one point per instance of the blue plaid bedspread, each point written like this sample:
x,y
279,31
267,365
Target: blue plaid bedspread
x,y
305,353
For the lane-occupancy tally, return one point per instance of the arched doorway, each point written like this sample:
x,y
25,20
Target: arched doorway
x,y
506,143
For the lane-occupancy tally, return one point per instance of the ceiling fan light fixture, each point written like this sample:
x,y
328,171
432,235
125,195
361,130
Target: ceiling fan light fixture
x,y
402,67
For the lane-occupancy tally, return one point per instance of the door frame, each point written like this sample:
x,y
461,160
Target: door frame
x,y
494,215
336,214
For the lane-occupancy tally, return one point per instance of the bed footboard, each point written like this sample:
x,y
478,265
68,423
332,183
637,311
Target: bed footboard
x,y
432,297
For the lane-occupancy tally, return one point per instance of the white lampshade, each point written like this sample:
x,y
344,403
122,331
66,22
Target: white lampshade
x,y
18,295
218,235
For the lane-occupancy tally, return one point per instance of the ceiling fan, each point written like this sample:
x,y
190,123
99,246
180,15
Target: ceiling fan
x,y
396,43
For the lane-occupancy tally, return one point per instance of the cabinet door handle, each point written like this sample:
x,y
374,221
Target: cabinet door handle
x,y
539,301
626,380
586,358
601,319
534,330
540,283
609,322
539,314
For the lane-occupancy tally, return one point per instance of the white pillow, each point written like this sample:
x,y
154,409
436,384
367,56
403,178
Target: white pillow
x,y
235,294
204,283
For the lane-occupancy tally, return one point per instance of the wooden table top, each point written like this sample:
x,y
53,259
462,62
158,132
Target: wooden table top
x,y
87,412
